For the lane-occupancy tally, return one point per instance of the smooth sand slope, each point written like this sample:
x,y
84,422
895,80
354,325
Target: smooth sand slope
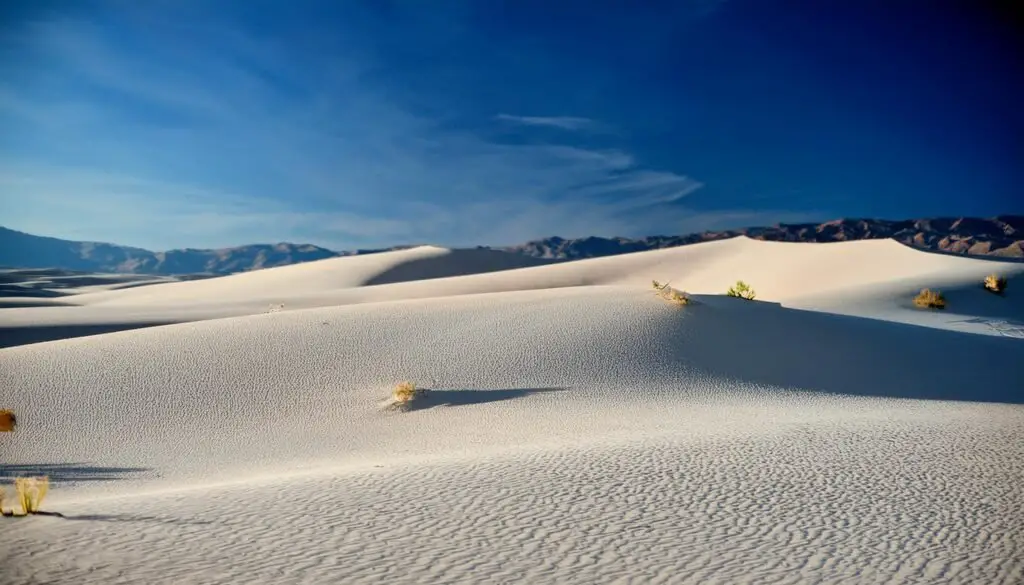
x,y
580,430
290,287
873,278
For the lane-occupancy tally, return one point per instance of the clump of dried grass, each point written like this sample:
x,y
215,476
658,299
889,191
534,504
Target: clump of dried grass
x,y
405,393
30,493
741,290
7,421
670,294
995,283
930,299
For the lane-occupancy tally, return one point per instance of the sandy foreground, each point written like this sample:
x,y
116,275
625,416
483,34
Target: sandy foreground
x,y
578,430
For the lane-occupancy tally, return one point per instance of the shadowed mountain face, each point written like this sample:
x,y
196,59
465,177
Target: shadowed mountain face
x,y
1001,237
23,250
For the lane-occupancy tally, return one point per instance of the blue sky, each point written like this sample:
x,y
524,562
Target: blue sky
x,y
187,123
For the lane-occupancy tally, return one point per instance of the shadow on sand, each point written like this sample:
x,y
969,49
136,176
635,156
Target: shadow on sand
x,y
766,344
33,302
66,472
456,263
15,336
435,398
131,518
15,291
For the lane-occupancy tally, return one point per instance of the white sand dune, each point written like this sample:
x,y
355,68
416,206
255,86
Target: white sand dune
x,y
415,264
580,430
873,278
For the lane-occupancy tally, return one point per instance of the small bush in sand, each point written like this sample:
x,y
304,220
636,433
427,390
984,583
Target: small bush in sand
x,y
741,290
31,491
930,299
670,294
7,421
995,283
405,393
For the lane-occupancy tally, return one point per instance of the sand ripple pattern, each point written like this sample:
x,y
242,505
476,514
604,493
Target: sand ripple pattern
x,y
852,503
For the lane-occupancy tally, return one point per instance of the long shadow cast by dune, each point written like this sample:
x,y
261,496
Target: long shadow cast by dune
x,y
766,344
18,303
435,398
456,263
14,291
67,472
15,336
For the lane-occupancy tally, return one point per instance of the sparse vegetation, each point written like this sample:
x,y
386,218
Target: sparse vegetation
x,y
995,283
741,290
31,491
930,299
670,294
405,393
7,421
30,494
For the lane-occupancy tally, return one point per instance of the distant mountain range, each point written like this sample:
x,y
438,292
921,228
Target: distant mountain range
x,y
21,250
1001,237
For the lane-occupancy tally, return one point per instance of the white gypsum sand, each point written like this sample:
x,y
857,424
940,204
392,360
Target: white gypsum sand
x,y
579,429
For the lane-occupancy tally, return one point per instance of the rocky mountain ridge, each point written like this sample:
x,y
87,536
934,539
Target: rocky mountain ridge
x,y
1000,237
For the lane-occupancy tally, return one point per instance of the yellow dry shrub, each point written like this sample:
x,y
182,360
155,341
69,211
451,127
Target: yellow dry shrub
x,y
741,290
7,421
31,491
930,299
405,392
670,294
995,283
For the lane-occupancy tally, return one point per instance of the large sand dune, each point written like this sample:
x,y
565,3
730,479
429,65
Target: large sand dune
x,y
579,429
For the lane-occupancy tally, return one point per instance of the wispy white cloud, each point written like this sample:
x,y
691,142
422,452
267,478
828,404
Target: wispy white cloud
x,y
561,122
95,206
251,144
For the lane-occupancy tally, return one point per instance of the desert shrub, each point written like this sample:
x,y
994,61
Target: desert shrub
x,y
405,392
670,294
741,290
7,421
995,283
31,491
930,299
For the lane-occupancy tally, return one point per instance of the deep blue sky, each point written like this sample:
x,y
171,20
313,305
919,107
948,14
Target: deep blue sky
x,y
188,123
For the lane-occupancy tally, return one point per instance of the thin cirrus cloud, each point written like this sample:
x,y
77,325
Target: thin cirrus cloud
x,y
189,146
561,122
